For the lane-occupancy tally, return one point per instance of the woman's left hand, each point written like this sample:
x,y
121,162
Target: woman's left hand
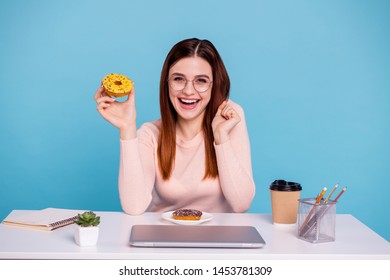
x,y
224,121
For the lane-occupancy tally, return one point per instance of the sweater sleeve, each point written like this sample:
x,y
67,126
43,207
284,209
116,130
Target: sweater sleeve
x,y
136,172
235,167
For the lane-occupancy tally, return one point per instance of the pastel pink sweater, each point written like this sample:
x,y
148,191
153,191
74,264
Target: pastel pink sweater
x,y
141,187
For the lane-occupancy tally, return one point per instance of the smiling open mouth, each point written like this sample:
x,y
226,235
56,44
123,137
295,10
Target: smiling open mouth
x,y
189,101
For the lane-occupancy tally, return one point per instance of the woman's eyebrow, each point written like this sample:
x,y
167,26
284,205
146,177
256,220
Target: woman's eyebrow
x,y
202,76
178,74
196,76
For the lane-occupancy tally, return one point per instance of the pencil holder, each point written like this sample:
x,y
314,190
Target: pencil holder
x,y
316,222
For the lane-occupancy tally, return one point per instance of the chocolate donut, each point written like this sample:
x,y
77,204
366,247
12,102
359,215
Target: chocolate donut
x,y
187,214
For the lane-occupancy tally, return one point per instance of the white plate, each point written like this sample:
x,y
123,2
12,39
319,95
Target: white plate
x,y
205,217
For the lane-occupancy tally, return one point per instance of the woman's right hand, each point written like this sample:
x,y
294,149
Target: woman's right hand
x,y
120,114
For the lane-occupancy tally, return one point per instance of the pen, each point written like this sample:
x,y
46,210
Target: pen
x,y
330,194
342,191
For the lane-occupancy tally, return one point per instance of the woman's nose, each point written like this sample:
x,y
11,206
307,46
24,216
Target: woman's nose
x,y
189,88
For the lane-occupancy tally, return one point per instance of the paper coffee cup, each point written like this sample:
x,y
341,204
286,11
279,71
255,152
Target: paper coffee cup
x,y
284,201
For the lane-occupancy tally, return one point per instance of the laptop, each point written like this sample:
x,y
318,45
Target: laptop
x,y
195,236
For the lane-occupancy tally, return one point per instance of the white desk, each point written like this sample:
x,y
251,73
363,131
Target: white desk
x,y
354,240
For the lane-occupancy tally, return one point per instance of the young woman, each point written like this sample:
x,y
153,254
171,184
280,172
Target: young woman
x,y
198,154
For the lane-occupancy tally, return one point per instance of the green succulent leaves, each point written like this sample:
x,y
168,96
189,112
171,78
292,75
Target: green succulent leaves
x,y
87,219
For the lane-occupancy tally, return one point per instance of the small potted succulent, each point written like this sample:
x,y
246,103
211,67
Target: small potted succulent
x,y
86,229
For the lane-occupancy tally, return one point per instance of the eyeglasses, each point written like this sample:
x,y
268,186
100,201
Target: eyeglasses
x,y
200,84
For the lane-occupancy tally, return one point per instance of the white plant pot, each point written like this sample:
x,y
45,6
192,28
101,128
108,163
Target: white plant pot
x,y
86,236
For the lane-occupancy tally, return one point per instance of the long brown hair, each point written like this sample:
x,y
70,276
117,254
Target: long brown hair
x,y
220,91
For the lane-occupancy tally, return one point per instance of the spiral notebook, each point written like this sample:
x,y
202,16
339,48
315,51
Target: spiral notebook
x,y
46,219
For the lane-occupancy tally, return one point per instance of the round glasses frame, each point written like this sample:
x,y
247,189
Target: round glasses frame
x,y
180,86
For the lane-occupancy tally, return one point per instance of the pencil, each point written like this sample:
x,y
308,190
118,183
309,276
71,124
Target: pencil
x,y
318,200
342,191
330,194
321,195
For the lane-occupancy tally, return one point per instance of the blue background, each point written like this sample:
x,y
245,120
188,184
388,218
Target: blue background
x,y
312,76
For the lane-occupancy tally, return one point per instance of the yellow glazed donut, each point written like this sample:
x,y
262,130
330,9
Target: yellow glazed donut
x,y
117,85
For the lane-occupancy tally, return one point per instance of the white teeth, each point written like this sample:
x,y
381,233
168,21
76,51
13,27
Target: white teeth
x,y
188,101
